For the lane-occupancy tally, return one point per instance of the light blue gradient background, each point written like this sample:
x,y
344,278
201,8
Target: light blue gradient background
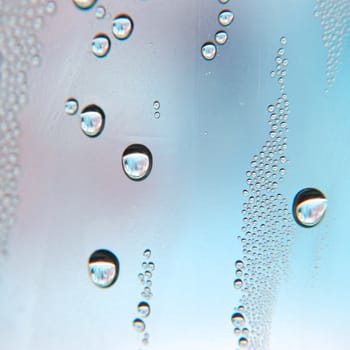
x,y
75,197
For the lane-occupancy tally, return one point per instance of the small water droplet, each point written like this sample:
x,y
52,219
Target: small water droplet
x,y
100,45
139,325
243,342
137,162
209,51
309,207
143,309
71,106
225,17
122,27
103,268
100,12
151,266
147,253
237,319
283,40
92,120
156,104
50,7
239,264
238,283
221,37
84,4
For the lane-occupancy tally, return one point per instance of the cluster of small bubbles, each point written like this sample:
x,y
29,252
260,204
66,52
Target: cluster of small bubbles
x,y
100,45
334,17
267,230
156,107
143,307
19,51
209,49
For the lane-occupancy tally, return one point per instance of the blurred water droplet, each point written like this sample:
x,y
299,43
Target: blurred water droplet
x,y
224,1
239,264
137,162
221,37
143,309
238,283
84,4
237,319
243,342
139,325
156,104
147,253
103,268
151,266
100,45
156,115
225,18
122,27
71,106
209,51
92,120
50,7
100,12
283,40
309,207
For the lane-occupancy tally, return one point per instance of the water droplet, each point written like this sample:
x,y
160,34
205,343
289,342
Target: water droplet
x,y
239,264
100,12
92,120
139,325
283,40
221,37
243,342
156,115
224,1
237,319
71,106
209,51
151,266
103,268
238,283
156,104
122,27
84,4
137,162
309,207
51,7
147,253
100,45
143,309
225,18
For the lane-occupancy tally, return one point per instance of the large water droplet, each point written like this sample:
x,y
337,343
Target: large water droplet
x,y
225,18
209,51
137,162
71,106
92,120
122,27
309,207
100,45
84,4
139,325
238,319
143,309
103,268
221,37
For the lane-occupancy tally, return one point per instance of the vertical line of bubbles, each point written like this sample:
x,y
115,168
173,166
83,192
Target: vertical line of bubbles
x,y
267,228
334,17
20,20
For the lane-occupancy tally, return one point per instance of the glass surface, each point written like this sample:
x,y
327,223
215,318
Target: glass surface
x,y
237,108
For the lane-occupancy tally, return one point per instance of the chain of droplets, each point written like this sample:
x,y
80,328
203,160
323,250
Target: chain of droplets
x,y
267,228
19,51
334,16
143,307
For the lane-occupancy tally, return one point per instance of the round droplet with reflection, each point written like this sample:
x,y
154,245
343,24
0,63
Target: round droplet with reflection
x,y
71,106
147,253
238,283
243,342
100,12
143,309
237,319
225,18
156,104
139,325
283,40
221,37
103,268
84,4
92,120
100,45
309,207
122,27
209,51
137,162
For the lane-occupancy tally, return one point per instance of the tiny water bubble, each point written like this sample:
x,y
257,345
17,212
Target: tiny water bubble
x,y
84,4
283,40
238,283
221,37
208,51
143,309
71,106
100,45
51,7
103,268
225,18
237,319
243,342
100,12
137,162
147,253
92,120
122,27
139,325
156,104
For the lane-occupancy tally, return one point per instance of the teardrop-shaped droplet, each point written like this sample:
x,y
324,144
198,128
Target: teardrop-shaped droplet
x,y
309,207
209,51
139,325
84,4
137,162
225,18
221,37
100,45
103,268
122,27
143,309
92,120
